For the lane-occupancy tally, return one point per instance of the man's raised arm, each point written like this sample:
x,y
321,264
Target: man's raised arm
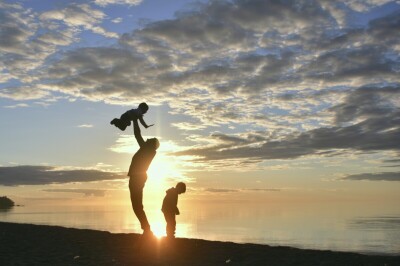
x,y
137,133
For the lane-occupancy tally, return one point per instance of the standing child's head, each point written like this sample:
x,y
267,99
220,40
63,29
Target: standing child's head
x,y
180,187
144,107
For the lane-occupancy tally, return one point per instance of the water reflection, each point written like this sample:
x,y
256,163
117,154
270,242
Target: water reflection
x,y
6,209
378,231
336,226
311,225
376,223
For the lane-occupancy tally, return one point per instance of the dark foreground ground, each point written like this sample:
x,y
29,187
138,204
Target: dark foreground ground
x,y
25,244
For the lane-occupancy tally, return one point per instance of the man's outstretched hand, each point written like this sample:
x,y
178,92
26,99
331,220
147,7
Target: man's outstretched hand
x,y
150,125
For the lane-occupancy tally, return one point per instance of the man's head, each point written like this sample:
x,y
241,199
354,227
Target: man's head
x,y
144,107
153,143
180,187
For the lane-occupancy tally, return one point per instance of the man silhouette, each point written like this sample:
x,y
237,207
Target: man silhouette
x,y
138,175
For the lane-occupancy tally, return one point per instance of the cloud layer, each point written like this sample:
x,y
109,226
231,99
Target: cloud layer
x,y
288,78
385,176
374,125
86,192
43,175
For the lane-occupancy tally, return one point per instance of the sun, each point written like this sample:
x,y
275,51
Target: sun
x,y
164,170
163,173
164,166
158,229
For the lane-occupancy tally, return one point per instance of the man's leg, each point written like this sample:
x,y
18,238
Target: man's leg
x,y
136,191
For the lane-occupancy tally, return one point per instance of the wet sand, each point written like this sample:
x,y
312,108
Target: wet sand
x,y
26,244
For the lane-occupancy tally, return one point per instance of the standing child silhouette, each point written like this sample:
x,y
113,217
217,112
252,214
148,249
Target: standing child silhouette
x,y
170,207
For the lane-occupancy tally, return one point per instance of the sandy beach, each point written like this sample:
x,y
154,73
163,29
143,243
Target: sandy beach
x,y
26,244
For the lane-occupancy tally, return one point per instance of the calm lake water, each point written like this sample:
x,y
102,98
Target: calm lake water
x,y
359,227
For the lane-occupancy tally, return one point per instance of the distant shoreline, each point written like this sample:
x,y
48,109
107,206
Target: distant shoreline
x,y
27,244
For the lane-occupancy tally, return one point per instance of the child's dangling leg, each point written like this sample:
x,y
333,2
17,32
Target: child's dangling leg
x,y
120,123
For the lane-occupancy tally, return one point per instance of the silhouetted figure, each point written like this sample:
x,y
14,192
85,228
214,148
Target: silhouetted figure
x,y
138,174
170,207
131,115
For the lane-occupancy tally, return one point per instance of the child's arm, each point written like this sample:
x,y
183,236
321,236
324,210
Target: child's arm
x,y
144,123
177,210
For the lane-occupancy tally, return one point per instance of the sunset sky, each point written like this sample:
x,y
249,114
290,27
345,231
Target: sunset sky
x,y
251,100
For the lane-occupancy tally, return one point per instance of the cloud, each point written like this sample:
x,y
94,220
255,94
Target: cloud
x,y
392,161
25,44
220,190
117,20
189,126
224,190
44,175
79,15
372,125
19,105
263,189
18,53
22,93
86,126
370,135
86,192
385,176
227,49
289,78
117,2
124,144
365,5
149,55
369,64
367,102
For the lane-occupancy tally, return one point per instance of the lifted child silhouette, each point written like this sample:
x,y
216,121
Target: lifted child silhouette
x,y
131,115
170,207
